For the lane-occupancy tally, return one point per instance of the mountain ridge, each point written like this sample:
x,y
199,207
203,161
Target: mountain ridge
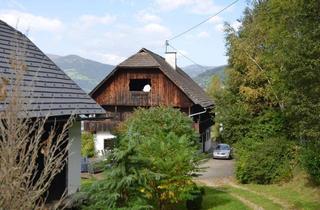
x,y
88,73
85,72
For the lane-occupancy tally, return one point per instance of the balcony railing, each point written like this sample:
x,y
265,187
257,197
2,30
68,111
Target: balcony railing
x,y
100,125
135,98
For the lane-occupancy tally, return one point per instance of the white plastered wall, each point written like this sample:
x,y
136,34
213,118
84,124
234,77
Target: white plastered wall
x,y
99,138
74,158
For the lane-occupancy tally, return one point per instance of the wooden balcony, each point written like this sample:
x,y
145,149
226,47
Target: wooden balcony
x,y
100,125
135,98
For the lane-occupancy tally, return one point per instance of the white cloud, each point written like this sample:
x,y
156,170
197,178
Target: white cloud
x,y
205,7
172,4
113,59
156,28
27,21
114,43
195,6
146,17
87,21
110,44
203,34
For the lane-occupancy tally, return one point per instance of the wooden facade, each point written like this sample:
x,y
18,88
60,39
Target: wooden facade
x,y
116,91
123,90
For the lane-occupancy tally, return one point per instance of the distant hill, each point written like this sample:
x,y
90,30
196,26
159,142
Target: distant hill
x,y
195,70
203,79
86,73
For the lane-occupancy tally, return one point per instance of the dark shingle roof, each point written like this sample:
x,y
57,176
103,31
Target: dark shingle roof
x,y
146,58
47,89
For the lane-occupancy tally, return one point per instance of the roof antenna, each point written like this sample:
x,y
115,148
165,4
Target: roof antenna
x,y
167,45
170,57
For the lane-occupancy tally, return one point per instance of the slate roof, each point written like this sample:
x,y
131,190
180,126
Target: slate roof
x,y
147,59
46,88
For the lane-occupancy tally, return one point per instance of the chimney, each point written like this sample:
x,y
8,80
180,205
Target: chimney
x,y
171,58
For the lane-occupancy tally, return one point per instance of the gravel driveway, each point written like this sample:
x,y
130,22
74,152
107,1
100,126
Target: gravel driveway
x,y
217,170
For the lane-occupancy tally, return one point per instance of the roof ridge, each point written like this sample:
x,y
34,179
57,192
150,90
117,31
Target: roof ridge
x,y
153,53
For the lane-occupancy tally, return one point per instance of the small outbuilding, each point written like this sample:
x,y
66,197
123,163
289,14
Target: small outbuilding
x,y
50,93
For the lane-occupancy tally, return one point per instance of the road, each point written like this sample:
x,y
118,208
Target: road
x,y
217,170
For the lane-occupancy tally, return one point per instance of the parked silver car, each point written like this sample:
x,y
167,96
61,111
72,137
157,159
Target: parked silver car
x,y
222,151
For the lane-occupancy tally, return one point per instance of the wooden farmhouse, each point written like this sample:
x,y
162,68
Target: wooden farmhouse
x,y
144,80
49,93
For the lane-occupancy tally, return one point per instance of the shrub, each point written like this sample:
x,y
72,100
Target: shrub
x,y
87,144
310,159
153,163
265,161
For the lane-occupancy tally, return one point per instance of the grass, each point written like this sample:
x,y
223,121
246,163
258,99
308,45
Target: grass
x,y
218,199
85,183
299,193
262,201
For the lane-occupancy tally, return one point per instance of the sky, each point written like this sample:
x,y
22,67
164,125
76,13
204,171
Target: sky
x,y
109,31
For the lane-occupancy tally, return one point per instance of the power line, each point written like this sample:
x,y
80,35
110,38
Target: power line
x,y
195,26
186,57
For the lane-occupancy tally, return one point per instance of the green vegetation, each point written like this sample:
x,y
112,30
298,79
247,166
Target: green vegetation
x,y
203,79
87,183
153,164
252,197
270,97
299,193
86,73
213,198
76,76
310,159
219,199
266,161
87,144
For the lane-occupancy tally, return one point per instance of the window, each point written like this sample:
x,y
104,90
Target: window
x,y
108,144
222,147
140,85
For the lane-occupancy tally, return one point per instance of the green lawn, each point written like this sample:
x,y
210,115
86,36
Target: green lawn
x,y
218,199
261,201
299,193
